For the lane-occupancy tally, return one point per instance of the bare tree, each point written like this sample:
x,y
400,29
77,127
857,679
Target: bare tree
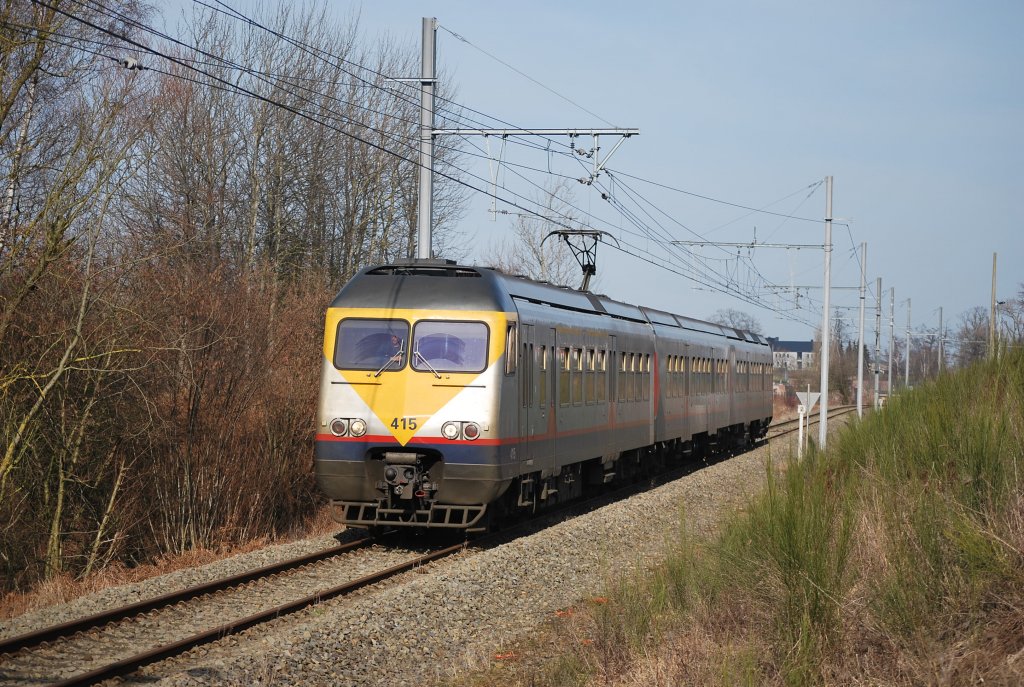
x,y
70,118
971,336
736,319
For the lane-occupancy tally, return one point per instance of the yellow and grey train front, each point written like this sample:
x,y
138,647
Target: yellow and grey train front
x,y
408,424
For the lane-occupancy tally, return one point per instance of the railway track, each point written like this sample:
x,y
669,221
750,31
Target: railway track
x,y
785,427
106,645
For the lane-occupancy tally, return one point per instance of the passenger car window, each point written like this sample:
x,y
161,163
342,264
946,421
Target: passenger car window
x,y
444,346
363,344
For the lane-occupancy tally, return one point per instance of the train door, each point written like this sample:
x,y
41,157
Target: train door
x,y
686,385
560,391
542,414
732,386
613,378
527,393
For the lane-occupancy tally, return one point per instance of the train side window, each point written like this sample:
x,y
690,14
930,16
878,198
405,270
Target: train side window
x,y
677,376
632,376
510,348
669,378
564,389
646,378
524,378
613,380
631,393
686,375
621,380
590,377
577,376
602,376
542,377
680,376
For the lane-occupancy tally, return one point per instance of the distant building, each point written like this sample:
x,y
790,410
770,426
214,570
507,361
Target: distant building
x,y
792,355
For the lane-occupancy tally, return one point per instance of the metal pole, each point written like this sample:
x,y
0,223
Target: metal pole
x,y
942,337
906,364
892,340
992,314
825,324
875,367
860,346
427,82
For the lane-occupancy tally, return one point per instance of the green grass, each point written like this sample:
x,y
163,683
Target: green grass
x,y
895,557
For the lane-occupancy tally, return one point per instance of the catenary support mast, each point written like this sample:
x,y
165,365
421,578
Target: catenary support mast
x,y
892,336
427,83
825,324
876,363
860,345
906,364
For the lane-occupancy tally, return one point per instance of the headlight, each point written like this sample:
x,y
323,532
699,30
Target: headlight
x,y
357,427
339,427
471,430
450,430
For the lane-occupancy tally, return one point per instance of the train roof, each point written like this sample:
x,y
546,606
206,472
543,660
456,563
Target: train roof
x,y
444,284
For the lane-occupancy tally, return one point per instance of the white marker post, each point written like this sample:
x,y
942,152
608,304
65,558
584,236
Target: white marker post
x,y
801,409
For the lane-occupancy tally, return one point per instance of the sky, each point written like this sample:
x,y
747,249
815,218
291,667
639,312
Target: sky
x,y
916,109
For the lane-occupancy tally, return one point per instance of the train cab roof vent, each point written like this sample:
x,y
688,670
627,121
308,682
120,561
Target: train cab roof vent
x,y
424,267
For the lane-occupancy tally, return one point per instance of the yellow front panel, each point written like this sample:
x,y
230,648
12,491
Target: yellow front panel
x,y
404,400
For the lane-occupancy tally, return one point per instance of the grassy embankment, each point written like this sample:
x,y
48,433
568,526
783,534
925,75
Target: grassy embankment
x,y
896,557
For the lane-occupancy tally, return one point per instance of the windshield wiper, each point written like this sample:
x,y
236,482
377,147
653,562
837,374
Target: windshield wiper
x,y
396,358
429,366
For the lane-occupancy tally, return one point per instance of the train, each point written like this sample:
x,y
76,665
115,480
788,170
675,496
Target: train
x,y
455,396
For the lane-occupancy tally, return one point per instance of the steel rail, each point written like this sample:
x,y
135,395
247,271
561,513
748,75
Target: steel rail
x,y
133,663
72,627
783,428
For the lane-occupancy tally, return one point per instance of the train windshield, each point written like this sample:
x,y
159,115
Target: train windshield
x,y
440,346
364,344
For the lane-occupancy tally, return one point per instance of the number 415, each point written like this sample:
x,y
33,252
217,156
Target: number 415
x,y
404,423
